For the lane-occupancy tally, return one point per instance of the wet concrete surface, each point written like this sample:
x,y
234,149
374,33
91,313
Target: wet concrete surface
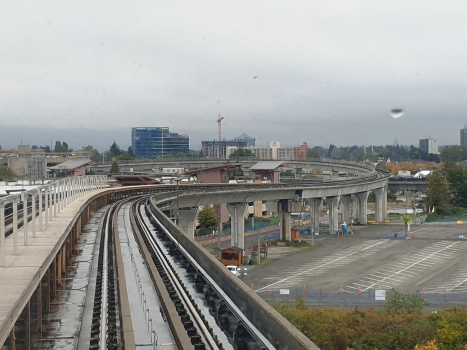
x,y
144,302
61,327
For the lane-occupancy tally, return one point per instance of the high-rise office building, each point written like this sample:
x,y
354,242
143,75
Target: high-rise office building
x,y
157,142
463,140
428,145
218,149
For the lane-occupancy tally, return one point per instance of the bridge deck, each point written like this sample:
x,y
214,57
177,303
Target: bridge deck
x,y
21,274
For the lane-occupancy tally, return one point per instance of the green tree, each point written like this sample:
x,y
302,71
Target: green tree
x,y
438,194
6,174
241,152
115,150
59,147
457,177
407,219
312,154
131,153
207,217
115,169
454,154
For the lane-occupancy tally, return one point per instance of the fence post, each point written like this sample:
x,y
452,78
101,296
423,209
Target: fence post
x,y
369,295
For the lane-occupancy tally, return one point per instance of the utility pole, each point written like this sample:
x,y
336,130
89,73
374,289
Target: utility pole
x,y
259,248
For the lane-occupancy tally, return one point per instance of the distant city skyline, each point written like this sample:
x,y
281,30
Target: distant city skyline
x,y
74,138
316,72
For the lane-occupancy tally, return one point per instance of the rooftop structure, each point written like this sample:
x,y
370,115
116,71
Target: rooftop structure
x,y
70,168
245,137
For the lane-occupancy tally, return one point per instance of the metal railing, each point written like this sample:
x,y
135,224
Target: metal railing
x,y
46,202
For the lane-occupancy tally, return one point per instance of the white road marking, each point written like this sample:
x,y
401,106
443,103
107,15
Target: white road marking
x,y
322,265
391,276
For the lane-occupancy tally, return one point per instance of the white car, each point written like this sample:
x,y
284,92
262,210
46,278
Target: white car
x,y
233,269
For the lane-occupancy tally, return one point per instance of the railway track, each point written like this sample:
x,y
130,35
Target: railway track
x,y
198,312
105,329
209,317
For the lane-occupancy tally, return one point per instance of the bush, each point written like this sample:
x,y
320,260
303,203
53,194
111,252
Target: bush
x,y
397,303
458,211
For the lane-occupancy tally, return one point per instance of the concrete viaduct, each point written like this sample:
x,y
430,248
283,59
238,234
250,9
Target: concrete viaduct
x,y
25,270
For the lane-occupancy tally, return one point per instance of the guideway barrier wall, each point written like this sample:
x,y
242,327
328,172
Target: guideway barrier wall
x,y
272,325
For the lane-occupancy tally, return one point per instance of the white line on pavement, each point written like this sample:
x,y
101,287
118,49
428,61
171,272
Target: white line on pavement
x,y
327,263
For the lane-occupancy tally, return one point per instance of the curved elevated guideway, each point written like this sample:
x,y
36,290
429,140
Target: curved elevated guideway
x,y
55,227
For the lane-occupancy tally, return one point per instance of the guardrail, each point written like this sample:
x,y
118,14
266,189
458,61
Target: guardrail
x,y
48,200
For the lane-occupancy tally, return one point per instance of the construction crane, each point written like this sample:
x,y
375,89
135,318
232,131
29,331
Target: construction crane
x,y
219,122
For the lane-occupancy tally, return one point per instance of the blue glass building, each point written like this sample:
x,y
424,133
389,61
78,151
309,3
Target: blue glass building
x,y
159,142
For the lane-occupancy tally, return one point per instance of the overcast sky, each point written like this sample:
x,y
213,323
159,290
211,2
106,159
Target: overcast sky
x,y
328,71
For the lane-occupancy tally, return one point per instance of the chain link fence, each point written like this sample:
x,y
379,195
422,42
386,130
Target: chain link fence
x,y
332,297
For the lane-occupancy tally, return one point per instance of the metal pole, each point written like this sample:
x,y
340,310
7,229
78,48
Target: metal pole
x,y
178,210
311,224
25,217
46,204
15,226
33,220
2,234
40,208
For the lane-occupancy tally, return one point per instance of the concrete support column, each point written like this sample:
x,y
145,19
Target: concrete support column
x,y
39,306
237,213
59,267
314,212
379,194
345,207
47,289
285,233
385,202
356,206
187,220
12,340
27,326
333,203
54,273
2,234
33,221
363,207
408,198
24,198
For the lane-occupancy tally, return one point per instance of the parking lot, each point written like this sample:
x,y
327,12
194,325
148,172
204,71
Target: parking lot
x,y
433,260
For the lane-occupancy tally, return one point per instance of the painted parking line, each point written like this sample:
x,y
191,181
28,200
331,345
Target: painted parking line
x,y
330,262
410,267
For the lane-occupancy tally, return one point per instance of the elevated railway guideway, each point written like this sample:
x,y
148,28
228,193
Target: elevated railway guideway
x,y
55,219
156,166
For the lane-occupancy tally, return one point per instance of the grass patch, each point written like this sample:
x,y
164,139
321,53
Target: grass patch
x,y
298,244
